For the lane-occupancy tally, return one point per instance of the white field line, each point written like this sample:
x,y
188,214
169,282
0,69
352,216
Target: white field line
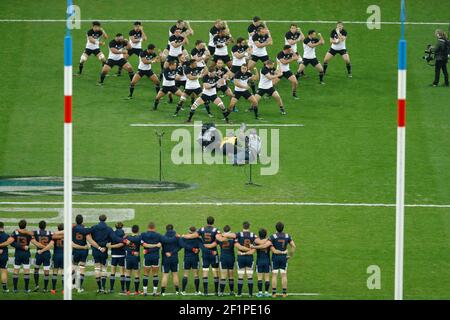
x,y
212,21
217,125
318,204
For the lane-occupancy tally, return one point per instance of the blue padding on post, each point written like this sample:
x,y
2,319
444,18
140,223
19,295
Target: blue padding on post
x,y
402,55
67,51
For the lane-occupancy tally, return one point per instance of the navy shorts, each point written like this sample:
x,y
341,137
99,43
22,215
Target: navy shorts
x,y
170,265
263,266
197,91
3,262
92,51
58,261
238,94
227,262
99,257
314,62
135,51
269,92
245,262
112,63
117,261
79,256
147,73
172,89
235,69
151,260
207,98
43,259
279,262
210,260
192,262
334,52
22,257
132,263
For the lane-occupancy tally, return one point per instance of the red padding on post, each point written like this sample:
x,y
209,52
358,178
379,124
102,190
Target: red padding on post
x,y
401,113
68,109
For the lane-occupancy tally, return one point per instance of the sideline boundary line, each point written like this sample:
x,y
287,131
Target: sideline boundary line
x,y
217,125
318,204
212,21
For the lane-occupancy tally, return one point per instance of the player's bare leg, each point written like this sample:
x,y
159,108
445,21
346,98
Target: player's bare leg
x,y
157,98
82,268
284,282
197,103
183,96
98,275
176,282
319,68
133,82
104,72
348,64
300,70
274,283
16,278
127,66
165,277
218,102
279,101
155,275
4,278
156,82
112,279
249,272
294,84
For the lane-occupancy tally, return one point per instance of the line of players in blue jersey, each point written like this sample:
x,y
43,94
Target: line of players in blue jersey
x,y
205,249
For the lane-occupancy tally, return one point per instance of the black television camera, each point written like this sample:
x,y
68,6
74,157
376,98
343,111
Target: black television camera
x,y
429,56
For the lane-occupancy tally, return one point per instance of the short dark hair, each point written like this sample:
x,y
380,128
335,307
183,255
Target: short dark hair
x,y
192,229
79,219
178,29
262,233
227,228
137,23
246,225
22,224
293,25
239,40
172,62
151,46
151,225
192,61
310,32
135,228
42,224
119,225
2,225
96,23
197,42
279,226
169,227
61,227
256,19
102,217
211,69
210,219
119,35
286,47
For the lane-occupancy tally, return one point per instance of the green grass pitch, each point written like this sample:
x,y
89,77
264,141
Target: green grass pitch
x,y
345,153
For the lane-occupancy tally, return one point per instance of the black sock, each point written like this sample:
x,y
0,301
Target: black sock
x,y
131,90
102,77
349,68
260,285
15,281
205,285
26,279
216,284
231,284
131,75
4,286
255,110
157,88
54,279
274,290
240,285
225,114
294,93
99,283
250,286
163,290
81,280
222,285
192,100
321,76
136,284
325,67
112,280
177,289
208,108
145,282
103,282
253,87
155,105
184,283
80,68
119,72
191,114
284,290
122,282
62,281
46,280
127,283
155,281
267,286
36,277
196,284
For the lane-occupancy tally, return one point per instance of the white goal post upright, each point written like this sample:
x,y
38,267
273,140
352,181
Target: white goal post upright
x,y
68,157
401,132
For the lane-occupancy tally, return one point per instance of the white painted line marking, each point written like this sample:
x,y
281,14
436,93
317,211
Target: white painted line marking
x,y
319,204
217,125
230,21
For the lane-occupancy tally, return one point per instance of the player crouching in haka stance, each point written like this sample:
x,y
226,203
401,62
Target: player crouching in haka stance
x,y
146,59
284,58
268,75
93,45
117,57
193,73
241,88
292,37
309,57
169,77
337,38
224,74
209,94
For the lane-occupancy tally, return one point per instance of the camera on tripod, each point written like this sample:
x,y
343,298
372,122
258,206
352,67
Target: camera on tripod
x,y
429,55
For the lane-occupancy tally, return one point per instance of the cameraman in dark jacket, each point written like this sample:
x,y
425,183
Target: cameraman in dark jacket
x,y
441,51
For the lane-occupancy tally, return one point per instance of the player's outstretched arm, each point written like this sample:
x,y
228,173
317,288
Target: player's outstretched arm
x,y
7,242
